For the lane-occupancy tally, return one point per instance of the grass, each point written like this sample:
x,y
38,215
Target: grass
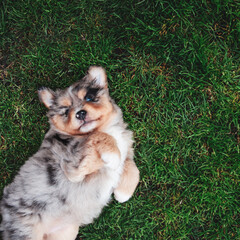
x,y
173,67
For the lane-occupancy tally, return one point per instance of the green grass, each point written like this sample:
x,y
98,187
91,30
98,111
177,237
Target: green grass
x,y
173,68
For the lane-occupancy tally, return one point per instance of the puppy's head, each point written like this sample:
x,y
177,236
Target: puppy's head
x,y
83,107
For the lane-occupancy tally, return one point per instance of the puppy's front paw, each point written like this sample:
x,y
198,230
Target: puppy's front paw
x,y
111,160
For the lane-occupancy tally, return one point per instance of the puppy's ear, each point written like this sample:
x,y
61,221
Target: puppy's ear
x,y
99,75
46,96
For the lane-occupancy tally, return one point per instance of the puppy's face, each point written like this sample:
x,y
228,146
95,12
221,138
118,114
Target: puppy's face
x,y
81,108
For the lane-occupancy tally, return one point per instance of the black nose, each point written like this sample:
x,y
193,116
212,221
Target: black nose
x,y
81,115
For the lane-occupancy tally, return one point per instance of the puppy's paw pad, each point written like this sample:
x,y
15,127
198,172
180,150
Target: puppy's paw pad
x,y
121,197
112,160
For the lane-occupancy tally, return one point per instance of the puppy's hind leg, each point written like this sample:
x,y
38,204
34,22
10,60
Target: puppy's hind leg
x,y
128,181
69,232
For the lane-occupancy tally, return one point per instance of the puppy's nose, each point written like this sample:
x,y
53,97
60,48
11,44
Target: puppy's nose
x,y
81,114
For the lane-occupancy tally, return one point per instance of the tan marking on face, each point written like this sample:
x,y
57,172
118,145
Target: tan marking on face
x,y
102,112
81,94
58,123
65,101
67,127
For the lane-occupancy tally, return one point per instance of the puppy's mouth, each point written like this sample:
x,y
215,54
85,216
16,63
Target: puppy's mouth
x,y
88,122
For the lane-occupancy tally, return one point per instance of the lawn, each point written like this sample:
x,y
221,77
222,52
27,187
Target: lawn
x,y
173,68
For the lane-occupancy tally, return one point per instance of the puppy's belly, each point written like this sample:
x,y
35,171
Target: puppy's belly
x,y
84,202
54,225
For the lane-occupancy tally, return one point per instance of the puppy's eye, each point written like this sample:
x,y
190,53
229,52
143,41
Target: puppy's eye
x,y
66,112
90,98
91,95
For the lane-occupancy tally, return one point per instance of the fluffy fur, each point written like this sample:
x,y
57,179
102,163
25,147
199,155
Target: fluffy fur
x,y
86,156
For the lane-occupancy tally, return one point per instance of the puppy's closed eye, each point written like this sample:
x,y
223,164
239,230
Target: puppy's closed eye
x,y
66,112
63,111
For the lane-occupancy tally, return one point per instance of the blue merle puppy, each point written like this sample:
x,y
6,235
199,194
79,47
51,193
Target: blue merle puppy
x,y
85,157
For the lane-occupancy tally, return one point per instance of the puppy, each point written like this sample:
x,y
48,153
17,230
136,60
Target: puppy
x,y
86,156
